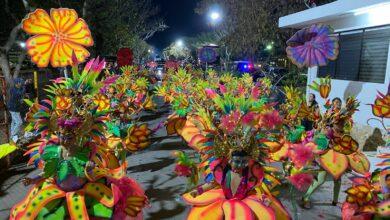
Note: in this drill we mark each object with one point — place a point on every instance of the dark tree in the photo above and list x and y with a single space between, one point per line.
122 23
249 25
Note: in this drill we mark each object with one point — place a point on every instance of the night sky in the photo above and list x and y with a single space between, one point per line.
182 21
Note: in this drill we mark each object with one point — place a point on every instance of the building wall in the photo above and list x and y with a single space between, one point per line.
365 92
378 17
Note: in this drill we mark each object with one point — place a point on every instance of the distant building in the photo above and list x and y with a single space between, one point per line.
363 64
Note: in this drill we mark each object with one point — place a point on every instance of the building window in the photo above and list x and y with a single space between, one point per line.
363 56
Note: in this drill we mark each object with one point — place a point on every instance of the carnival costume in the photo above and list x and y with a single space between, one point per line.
82 178
369 195
327 145
127 97
233 136
334 150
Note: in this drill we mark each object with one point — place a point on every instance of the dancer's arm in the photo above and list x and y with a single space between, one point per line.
27 180
203 188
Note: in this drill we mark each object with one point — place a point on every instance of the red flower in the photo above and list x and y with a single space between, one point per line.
222 88
229 122
301 181
241 90
125 188
271 119
255 93
300 155
248 118
211 93
182 170
139 98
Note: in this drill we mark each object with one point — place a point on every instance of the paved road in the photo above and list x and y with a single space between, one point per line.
153 169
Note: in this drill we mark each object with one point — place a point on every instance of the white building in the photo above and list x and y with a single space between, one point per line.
363 65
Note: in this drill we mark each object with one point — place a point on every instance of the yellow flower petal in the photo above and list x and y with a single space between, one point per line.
40 48
79 34
212 211
62 53
206 198
63 18
38 22
235 209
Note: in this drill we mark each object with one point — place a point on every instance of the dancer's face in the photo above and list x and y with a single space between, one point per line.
336 104
311 97
238 163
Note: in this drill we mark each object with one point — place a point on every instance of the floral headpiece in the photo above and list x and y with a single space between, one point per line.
71 109
238 120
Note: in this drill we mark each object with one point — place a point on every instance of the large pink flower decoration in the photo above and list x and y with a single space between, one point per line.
130 199
248 118
271 119
211 93
255 92
229 122
301 181
313 46
300 155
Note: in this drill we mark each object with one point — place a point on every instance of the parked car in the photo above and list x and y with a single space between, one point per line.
244 67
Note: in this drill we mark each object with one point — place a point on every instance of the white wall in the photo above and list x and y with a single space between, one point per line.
363 91
378 17
339 10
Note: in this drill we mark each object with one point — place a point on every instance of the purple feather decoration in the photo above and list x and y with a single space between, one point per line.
313 46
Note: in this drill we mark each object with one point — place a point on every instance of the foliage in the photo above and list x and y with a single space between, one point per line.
295 78
249 25
202 39
178 52
120 23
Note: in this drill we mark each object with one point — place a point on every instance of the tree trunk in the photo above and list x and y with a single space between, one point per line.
21 58
5 67
85 5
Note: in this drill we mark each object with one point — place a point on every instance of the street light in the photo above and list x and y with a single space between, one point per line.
270 46
179 43
215 16
22 44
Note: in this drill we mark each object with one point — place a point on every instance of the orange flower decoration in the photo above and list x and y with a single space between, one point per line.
137 137
381 107
345 145
63 103
102 102
325 90
127 70
360 195
56 37
323 87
